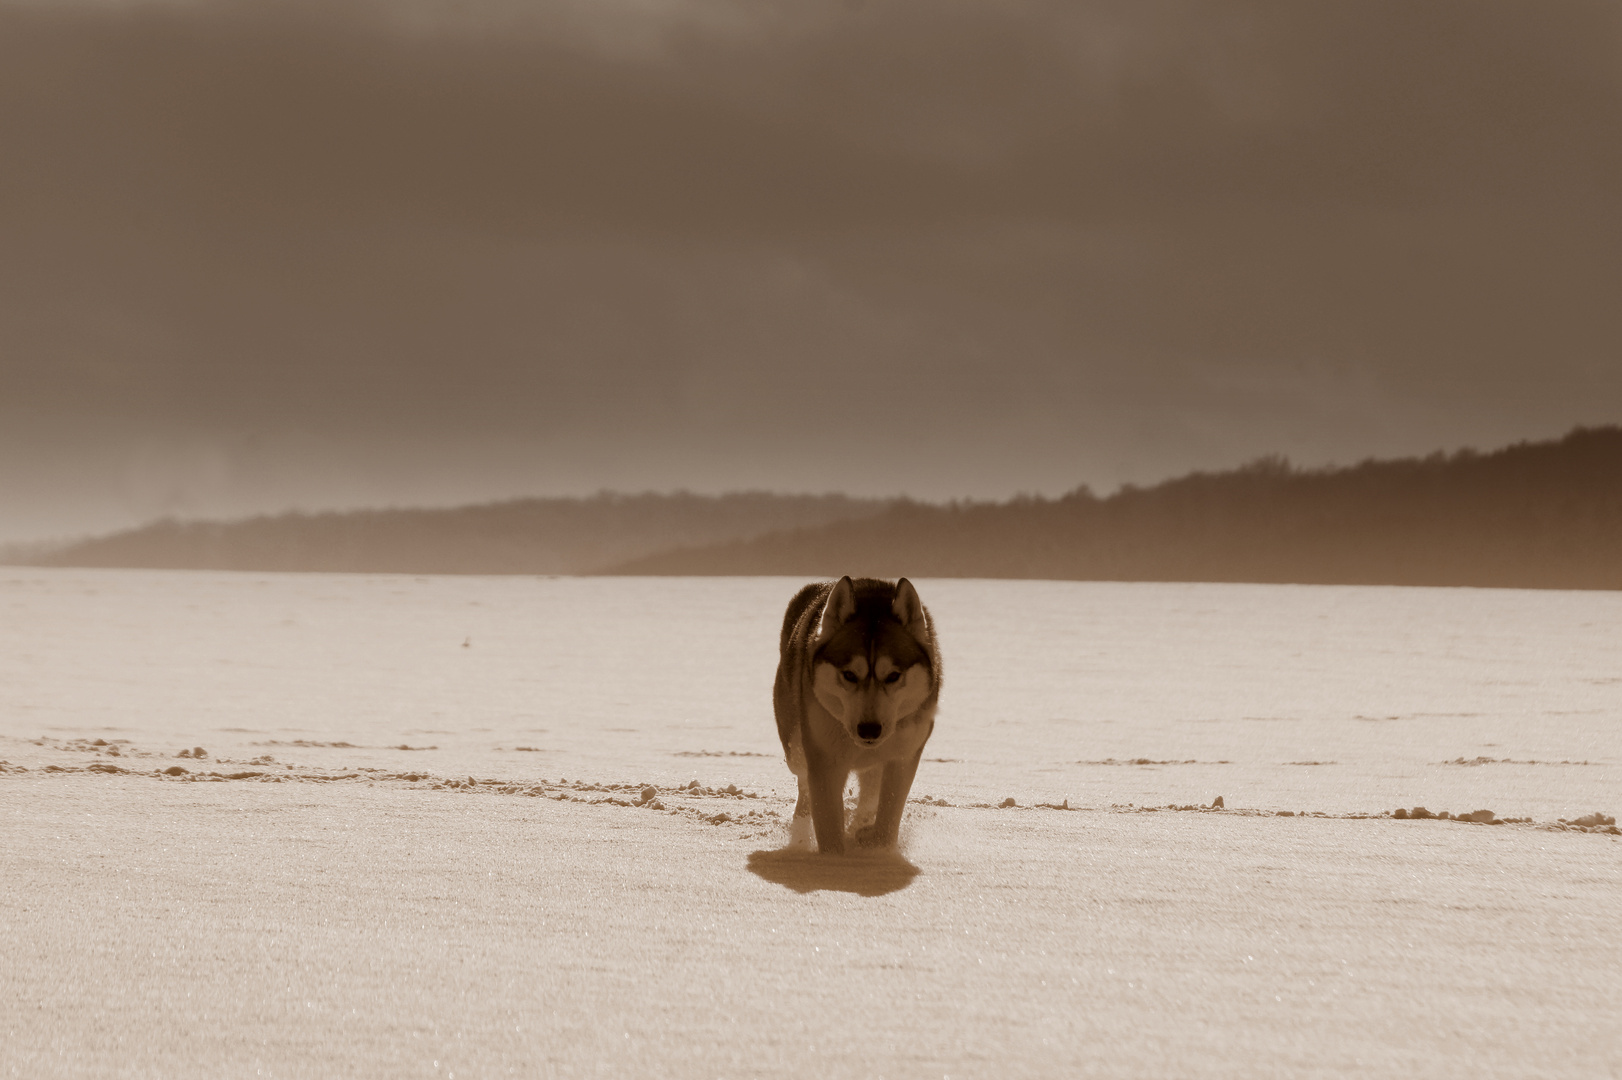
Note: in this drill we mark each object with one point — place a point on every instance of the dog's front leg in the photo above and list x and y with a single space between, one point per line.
826 780
799 833
886 827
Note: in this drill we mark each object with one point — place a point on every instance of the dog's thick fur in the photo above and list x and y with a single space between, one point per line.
857 686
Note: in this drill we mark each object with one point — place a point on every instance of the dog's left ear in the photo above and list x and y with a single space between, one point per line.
909 611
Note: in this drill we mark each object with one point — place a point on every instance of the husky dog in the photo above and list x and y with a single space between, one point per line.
856 691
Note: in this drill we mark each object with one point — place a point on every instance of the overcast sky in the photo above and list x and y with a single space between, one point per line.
258 255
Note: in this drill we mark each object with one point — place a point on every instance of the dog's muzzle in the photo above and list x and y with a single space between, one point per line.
869 730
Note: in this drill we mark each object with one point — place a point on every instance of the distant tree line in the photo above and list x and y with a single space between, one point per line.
1533 515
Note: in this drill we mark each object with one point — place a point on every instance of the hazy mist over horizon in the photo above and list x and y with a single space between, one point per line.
257 256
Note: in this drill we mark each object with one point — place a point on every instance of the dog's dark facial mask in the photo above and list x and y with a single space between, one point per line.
871 668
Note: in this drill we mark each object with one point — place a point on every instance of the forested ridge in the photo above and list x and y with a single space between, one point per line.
1541 515
1536 515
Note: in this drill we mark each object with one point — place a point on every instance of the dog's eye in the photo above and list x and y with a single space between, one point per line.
893 677
850 676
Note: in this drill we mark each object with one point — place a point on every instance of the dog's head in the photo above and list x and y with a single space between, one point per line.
872 664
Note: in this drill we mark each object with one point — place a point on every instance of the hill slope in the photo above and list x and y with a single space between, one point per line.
529 536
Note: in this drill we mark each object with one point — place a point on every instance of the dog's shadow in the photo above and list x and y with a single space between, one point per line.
865 873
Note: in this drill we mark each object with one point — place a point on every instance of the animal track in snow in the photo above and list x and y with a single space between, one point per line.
744 810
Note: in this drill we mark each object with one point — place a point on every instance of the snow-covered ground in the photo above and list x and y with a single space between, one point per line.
472 881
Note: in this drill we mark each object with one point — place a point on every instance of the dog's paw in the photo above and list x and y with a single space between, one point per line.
799 834
868 836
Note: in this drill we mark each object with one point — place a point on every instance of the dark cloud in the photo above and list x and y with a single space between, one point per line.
355 253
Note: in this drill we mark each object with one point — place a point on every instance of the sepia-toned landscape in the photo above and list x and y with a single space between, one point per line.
420 421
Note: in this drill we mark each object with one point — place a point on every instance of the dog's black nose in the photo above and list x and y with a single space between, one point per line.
869 729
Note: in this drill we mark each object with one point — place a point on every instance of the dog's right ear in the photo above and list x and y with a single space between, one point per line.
840 607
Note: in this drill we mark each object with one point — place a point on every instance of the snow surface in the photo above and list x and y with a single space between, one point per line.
506 898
